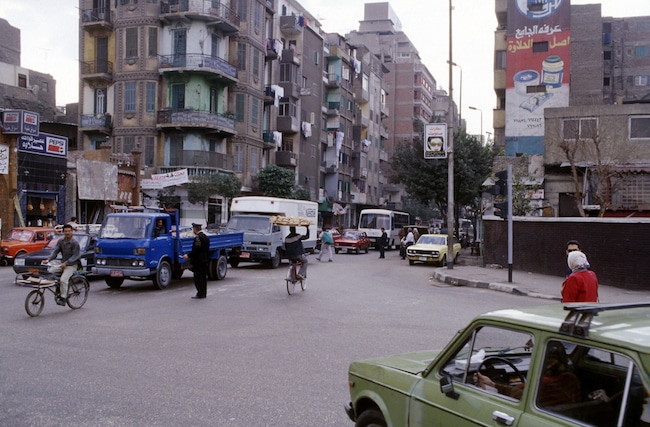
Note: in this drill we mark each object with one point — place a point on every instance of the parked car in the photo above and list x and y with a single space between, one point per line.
22 240
548 365
431 248
352 240
31 262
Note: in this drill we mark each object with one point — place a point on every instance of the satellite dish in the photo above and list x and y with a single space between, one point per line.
34 89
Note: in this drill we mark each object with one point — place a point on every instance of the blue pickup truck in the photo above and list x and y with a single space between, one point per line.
131 246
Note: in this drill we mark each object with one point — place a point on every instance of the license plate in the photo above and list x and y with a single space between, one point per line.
423 258
117 273
245 255
34 270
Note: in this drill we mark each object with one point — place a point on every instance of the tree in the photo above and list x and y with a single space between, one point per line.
426 180
301 194
202 187
275 181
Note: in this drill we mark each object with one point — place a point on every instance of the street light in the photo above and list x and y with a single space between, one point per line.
481 111
460 102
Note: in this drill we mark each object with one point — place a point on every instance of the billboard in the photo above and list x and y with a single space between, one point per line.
435 141
537 71
20 122
44 143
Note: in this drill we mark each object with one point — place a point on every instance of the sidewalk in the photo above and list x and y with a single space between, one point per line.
526 284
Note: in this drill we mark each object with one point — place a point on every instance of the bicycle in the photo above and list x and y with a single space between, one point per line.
292 276
78 288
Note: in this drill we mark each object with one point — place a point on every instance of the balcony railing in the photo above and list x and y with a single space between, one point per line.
211 11
95 15
285 158
96 67
196 61
99 121
198 158
196 119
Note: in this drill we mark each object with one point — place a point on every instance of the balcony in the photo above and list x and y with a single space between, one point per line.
291 25
196 119
360 173
285 159
274 48
199 63
338 52
202 159
269 95
499 79
333 108
291 90
333 80
98 73
288 124
383 156
96 123
361 95
95 19
290 56
383 132
384 110
268 141
211 12
498 118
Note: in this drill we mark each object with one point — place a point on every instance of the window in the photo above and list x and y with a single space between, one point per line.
540 47
256 63
176 150
316 57
129 97
257 15
149 151
288 73
586 128
151 97
254 154
500 60
22 80
513 349
238 160
255 113
606 81
131 48
641 80
241 56
242 9
214 45
128 144
641 51
178 96
152 47
100 101
240 107
287 108
640 127
607 55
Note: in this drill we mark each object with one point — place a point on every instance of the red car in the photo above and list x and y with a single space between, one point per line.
352 240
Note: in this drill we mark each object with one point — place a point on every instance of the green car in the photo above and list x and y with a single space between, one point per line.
553 365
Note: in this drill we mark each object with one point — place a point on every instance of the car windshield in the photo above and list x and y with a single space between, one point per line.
20 235
52 242
121 227
350 235
254 224
432 240
81 238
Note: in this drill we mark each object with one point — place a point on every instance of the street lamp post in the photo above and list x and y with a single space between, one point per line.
460 100
450 153
481 111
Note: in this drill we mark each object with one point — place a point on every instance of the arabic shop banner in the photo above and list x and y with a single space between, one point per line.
4 159
44 143
162 180
537 69
20 122
435 141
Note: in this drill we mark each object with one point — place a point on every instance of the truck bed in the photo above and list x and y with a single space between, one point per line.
217 241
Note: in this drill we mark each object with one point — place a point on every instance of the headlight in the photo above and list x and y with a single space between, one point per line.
19 261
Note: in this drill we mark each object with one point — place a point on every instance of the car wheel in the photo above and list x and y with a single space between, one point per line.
456 258
371 418
443 262
114 282
357 251
276 260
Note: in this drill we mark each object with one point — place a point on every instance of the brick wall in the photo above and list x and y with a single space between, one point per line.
617 249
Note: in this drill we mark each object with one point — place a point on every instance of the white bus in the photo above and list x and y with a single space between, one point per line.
372 220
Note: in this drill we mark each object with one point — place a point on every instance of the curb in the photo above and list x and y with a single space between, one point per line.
493 286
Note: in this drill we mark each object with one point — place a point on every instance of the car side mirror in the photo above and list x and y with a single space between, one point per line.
447 387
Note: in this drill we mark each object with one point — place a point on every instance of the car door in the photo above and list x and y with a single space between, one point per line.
468 404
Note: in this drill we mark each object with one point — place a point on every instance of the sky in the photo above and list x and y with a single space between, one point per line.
50 38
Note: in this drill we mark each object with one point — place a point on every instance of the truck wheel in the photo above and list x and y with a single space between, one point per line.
276 260
234 262
163 276
218 268
114 282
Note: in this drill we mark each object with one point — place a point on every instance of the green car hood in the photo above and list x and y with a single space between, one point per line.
412 363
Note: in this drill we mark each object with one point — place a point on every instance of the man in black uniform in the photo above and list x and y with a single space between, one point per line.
198 256
383 241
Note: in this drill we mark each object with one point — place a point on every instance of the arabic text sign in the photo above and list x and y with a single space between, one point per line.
162 180
4 159
20 122
435 141
44 143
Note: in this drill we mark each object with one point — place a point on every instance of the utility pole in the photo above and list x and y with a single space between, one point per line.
450 155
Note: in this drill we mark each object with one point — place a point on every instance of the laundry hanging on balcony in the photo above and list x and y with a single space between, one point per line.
306 129
277 138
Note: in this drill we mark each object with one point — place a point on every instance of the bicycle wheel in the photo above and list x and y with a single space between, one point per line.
291 286
77 292
34 303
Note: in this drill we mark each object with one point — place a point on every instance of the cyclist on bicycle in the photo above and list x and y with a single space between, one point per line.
70 253
295 251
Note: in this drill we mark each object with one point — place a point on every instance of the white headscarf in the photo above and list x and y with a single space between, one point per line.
577 261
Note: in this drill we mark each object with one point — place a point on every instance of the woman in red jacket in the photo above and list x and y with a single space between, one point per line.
582 284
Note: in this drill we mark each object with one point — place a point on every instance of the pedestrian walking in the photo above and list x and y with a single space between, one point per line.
198 256
383 241
326 245
571 246
408 241
582 283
